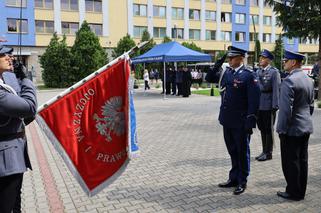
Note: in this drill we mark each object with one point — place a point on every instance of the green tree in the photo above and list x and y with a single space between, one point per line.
150 45
278 53
123 45
56 63
300 19
220 54
166 39
192 46
88 55
257 50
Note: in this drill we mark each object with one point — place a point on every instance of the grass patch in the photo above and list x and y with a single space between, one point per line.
319 104
44 87
206 92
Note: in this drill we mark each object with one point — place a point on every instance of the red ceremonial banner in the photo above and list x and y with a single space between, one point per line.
89 127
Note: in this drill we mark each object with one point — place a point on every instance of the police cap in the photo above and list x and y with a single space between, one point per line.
234 51
267 54
293 55
5 50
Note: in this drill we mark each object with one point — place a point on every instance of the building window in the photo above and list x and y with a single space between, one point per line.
267 20
159 11
46 4
226 1
252 36
254 3
240 2
194 34
44 26
69 28
93 5
226 35
267 37
210 35
97 29
159 32
240 36
309 41
16 3
240 18
14 25
69 5
138 31
254 18
177 13
226 17
210 15
140 10
194 14
178 33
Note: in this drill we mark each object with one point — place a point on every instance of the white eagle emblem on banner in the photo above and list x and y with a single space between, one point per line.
113 119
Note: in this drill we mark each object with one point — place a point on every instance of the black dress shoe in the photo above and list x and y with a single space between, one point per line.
240 189
257 157
287 196
227 184
265 157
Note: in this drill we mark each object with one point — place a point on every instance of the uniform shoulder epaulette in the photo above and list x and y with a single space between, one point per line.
274 69
248 68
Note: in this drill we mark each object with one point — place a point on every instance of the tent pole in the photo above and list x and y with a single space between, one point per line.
164 80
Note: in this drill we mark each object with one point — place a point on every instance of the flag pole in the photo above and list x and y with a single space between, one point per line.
92 75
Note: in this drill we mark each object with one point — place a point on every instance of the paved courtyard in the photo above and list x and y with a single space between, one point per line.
182 159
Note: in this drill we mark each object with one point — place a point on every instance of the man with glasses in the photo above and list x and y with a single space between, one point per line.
295 126
239 105
269 82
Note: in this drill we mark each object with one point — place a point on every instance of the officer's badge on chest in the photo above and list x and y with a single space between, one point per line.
237 83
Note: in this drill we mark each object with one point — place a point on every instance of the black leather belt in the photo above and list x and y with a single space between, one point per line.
7 137
270 91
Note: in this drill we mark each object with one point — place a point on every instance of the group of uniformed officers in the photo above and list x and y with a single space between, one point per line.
248 98
253 97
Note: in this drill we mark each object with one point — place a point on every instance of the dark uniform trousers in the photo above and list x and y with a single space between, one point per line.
294 156
237 142
10 189
265 122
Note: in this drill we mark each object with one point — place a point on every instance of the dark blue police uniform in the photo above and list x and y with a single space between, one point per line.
240 101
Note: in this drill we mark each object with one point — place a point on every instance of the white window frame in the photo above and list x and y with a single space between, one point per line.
159 9
240 18
44 26
210 15
142 10
17 25
195 33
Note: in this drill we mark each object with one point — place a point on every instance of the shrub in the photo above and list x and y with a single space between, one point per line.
88 55
55 63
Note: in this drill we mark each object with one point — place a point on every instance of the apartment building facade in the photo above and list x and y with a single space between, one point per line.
211 24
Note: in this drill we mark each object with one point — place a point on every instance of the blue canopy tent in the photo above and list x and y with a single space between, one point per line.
170 52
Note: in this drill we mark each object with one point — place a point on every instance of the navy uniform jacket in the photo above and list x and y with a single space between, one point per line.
13 152
269 82
296 105
240 100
